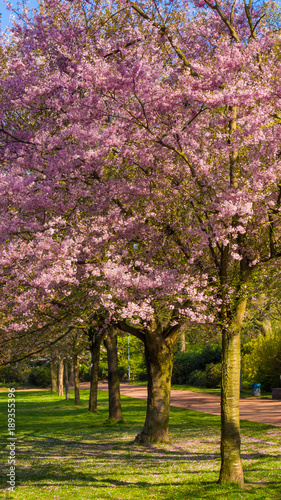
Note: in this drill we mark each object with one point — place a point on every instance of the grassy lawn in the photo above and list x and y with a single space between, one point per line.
65 452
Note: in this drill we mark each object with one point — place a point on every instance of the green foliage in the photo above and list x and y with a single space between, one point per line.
32 373
190 367
136 359
136 355
213 375
262 361
198 378
40 376
84 372
196 335
15 373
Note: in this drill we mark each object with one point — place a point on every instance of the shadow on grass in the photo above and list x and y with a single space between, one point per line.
60 443
46 474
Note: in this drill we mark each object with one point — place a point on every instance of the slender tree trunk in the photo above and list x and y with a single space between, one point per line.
115 411
76 378
95 358
159 355
60 377
231 466
66 382
71 374
182 338
54 376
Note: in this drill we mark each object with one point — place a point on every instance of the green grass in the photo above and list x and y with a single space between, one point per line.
64 453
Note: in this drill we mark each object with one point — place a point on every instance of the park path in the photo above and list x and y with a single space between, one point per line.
264 410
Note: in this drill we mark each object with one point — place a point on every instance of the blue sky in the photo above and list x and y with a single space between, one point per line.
5 14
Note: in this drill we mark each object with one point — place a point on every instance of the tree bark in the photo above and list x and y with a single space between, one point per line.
71 374
182 338
95 358
76 379
115 411
66 381
54 376
159 354
231 466
60 377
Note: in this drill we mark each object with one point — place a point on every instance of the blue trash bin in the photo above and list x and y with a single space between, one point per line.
256 389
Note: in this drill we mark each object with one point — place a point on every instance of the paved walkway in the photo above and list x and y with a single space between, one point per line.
267 411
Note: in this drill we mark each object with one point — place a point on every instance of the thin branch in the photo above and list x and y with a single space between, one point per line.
163 31
38 350
224 18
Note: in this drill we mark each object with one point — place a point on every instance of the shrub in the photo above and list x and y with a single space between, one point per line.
122 372
142 376
198 378
213 375
40 376
84 373
262 362
17 373
188 362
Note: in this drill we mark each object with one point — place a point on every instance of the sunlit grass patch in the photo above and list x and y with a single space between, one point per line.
66 452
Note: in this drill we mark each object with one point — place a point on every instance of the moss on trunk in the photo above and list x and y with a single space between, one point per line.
159 358
231 466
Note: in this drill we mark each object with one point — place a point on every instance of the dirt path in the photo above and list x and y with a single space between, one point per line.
267 411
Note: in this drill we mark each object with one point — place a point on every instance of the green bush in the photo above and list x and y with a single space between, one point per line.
262 362
188 362
184 364
17 373
142 376
122 372
198 378
40 376
213 375
84 373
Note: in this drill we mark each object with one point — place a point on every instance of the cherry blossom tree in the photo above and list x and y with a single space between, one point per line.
163 138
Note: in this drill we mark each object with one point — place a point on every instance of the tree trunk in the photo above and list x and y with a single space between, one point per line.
182 338
115 411
66 382
60 377
95 357
231 466
71 374
54 376
76 378
159 354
